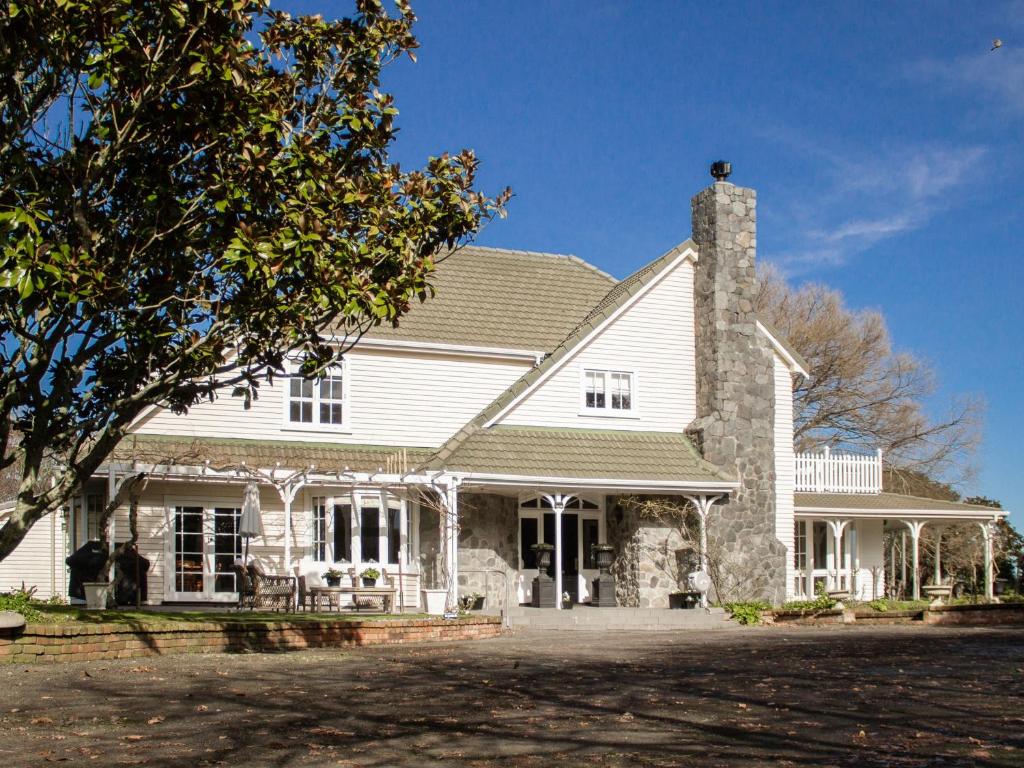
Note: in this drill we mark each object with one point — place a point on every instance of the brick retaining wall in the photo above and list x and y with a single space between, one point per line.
42 643
976 615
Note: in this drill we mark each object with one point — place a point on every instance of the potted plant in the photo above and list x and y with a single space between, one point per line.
369 577
566 601
333 577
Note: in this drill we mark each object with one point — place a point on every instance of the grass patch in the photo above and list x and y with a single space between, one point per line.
65 614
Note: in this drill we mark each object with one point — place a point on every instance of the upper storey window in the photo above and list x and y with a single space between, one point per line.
608 392
316 402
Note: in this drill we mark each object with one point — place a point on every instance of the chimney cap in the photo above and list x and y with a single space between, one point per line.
721 169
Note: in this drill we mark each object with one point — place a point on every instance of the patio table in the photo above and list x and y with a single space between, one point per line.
332 596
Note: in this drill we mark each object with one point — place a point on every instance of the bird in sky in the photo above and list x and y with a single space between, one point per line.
997 43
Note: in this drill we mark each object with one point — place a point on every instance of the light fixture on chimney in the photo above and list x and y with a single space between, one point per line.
720 170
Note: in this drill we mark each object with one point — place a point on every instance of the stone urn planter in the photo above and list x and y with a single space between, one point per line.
543 586
96 594
433 601
544 553
603 590
937 593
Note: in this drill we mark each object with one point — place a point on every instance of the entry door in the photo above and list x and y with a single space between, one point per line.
570 551
205 544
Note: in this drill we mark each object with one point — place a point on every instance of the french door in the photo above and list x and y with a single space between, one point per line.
204 544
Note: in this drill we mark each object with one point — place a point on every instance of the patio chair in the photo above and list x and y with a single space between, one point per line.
259 589
307 600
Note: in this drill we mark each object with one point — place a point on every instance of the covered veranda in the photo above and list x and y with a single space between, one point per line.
854 526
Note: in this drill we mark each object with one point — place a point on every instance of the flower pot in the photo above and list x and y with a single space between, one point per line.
543 558
333 581
433 601
368 582
96 594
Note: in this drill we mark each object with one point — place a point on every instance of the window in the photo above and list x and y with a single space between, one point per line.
369 534
820 534
608 392
527 538
227 547
800 548
590 534
317 402
319 528
394 534
342 533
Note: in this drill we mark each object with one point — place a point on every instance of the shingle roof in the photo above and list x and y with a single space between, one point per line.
225 452
501 298
582 453
882 502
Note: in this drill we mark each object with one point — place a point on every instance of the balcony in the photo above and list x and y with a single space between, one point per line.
828 472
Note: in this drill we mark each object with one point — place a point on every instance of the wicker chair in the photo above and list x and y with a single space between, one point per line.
258 589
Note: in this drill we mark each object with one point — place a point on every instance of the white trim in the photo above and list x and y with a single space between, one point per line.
782 351
291 373
633 412
597 483
689 253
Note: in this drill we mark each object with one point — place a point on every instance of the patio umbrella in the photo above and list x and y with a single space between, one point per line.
250 524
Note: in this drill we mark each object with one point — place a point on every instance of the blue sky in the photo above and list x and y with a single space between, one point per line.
884 140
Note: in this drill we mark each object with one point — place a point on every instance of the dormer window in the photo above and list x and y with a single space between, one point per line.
608 393
317 402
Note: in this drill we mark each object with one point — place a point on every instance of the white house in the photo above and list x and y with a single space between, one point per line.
518 406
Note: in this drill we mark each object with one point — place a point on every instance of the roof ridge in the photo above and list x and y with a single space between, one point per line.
546 254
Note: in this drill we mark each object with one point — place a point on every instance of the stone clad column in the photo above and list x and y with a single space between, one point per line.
735 385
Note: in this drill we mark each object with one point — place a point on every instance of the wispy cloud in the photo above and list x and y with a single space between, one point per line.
862 199
993 79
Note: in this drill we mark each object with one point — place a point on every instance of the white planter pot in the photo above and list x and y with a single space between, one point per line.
434 600
96 594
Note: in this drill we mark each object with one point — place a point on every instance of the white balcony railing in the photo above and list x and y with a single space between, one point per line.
828 472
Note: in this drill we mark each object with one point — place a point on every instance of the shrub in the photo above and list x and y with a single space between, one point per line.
748 612
820 603
20 601
879 605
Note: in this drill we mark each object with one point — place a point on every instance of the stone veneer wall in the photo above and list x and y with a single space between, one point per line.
735 391
488 542
649 558
41 643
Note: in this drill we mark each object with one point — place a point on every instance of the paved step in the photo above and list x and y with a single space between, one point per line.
638 619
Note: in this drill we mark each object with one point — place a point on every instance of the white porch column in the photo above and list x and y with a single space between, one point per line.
451 531
703 506
287 492
915 527
558 502
837 527
938 554
987 535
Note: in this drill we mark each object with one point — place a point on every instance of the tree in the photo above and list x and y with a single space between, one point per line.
190 192
861 393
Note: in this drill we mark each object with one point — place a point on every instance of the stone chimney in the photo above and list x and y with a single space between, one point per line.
735 388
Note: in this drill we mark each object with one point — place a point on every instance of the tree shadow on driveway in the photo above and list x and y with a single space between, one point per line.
802 697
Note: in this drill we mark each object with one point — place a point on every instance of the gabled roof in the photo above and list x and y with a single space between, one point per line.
494 297
480 443
588 454
610 303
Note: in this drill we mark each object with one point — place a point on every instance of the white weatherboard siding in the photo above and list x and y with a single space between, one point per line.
785 473
39 560
392 398
654 340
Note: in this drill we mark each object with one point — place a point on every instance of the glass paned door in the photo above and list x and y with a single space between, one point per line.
205 546
188 549
227 547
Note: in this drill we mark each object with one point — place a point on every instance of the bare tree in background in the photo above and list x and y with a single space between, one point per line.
862 394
